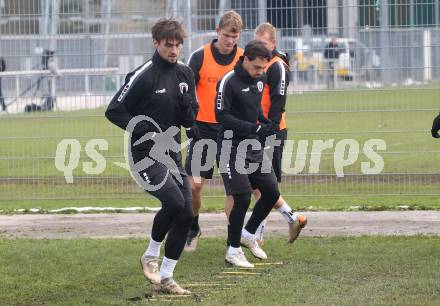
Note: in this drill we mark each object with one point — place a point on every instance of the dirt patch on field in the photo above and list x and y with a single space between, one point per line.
139 224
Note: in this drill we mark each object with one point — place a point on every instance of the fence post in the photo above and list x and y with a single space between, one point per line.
384 43
17 86
262 11
427 65
86 83
188 19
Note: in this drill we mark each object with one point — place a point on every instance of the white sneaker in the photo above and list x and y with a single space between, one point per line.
252 245
150 267
168 285
238 260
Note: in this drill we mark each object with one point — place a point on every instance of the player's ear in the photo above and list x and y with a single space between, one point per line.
155 43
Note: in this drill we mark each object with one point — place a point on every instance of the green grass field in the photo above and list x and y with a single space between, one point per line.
314 271
400 116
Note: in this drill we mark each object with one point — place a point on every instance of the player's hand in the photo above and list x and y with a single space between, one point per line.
435 127
185 100
193 132
266 129
274 128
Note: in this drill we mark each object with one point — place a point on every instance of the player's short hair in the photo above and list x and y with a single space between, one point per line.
266 28
256 48
169 29
231 21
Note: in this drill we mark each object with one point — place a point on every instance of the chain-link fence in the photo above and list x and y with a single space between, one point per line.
356 127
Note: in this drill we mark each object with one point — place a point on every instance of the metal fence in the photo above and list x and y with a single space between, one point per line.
382 101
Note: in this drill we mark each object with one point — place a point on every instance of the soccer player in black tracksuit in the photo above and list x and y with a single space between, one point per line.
163 90
435 127
273 104
238 111
2 99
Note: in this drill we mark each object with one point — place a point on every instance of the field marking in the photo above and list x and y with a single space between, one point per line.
269 263
229 276
245 269
172 296
165 297
140 209
240 273
207 285
89 209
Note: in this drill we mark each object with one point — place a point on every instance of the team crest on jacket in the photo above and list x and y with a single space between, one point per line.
183 87
260 86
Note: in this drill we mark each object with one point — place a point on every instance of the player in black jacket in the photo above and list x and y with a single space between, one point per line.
435 127
273 104
163 90
238 111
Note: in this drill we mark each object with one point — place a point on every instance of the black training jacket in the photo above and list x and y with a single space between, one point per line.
238 103
154 90
275 74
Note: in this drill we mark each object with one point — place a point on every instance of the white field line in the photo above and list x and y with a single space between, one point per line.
90 209
149 209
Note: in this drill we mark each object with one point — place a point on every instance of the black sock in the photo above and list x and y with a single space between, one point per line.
195 225
269 196
236 217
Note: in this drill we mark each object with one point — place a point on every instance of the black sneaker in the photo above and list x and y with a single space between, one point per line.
192 239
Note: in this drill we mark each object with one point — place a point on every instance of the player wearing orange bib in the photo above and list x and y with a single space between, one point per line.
209 63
